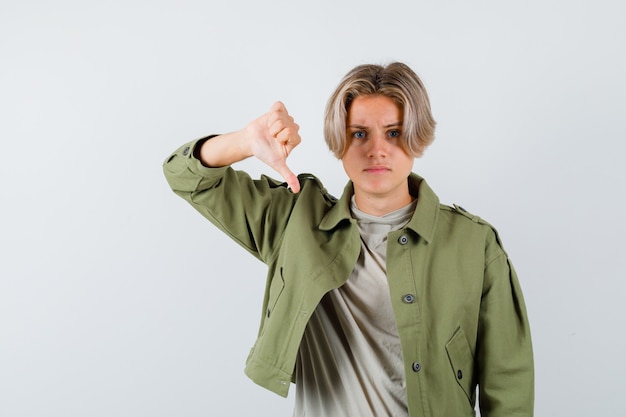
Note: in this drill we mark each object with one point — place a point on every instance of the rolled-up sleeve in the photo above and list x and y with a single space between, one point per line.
186 174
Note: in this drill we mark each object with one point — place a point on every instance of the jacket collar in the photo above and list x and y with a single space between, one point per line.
424 218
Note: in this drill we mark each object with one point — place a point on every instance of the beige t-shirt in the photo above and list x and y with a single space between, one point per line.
350 359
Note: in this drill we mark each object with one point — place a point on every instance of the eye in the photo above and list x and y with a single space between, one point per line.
359 134
394 134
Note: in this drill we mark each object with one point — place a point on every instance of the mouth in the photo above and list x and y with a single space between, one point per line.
377 169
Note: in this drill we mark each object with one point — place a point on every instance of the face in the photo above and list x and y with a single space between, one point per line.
374 158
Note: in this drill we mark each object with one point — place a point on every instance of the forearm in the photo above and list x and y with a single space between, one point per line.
224 149
251 212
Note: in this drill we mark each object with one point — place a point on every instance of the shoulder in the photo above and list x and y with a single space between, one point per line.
468 221
456 209
310 183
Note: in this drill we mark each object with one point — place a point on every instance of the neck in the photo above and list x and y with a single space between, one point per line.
379 206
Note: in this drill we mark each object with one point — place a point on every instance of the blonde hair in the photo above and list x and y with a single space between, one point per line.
396 81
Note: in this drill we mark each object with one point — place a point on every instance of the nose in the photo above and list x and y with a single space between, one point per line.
378 146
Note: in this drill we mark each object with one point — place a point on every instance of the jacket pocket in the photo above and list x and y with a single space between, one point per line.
276 288
462 363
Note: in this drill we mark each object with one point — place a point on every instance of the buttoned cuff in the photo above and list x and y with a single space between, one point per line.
185 172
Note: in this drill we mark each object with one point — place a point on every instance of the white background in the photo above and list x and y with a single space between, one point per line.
117 299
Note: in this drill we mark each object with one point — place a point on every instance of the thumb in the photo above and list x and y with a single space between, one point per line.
289 176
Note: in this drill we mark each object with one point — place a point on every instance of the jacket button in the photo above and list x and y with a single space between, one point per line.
403 240
408 298
186 151
417 367
267 312
459 374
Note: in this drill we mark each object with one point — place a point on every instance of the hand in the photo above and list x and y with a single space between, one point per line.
274 135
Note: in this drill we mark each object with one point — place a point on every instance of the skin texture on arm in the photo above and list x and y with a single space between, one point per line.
270 138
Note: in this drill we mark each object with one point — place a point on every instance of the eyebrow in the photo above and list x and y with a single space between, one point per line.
365 127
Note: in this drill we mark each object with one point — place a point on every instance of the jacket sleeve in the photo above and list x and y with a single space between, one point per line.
504 349
251 212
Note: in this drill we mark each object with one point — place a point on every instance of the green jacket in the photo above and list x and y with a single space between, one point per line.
457 301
